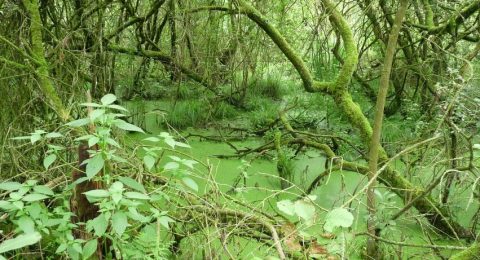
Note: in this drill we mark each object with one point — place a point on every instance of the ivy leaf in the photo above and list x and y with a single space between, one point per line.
132 183
108 99
286 206
338 217
49 160
119 222
127 126
20 241
149 161
94 165
89 248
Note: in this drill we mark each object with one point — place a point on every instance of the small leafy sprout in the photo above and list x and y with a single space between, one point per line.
167 139
150 158
101 116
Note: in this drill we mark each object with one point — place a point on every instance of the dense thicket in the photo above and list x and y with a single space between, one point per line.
311 74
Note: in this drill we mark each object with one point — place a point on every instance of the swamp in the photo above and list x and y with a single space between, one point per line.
240 129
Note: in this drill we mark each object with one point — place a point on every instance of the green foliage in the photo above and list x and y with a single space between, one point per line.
123 206
187 113
338 217
271 86
264 112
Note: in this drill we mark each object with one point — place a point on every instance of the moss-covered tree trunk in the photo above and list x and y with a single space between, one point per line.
338 90
42 68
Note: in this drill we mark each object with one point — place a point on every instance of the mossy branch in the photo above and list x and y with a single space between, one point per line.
38 55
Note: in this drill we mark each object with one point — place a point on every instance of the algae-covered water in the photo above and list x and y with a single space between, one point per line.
257 184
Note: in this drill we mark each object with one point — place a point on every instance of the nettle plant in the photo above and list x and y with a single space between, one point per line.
129 215
336 222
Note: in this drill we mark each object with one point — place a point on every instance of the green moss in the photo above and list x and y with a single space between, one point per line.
42 69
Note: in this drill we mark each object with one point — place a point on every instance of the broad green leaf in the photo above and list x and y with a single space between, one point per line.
90 105
132 183
149 161
35 137
26 224
99 225
79 122
10 186
108 99
20 241
111 141
171 166
133 214
164 220
94 165
119 222
338 217
182 144
170 141
49 160
136 195
77 247
53 135
127 126
34 210
150 139
18 204
96 114
61 248
189 182
21 138
287 207
89 248
189 163
93 141
43 190
97 193
72 253
117 107
116 187
34 197
5 205
304 209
